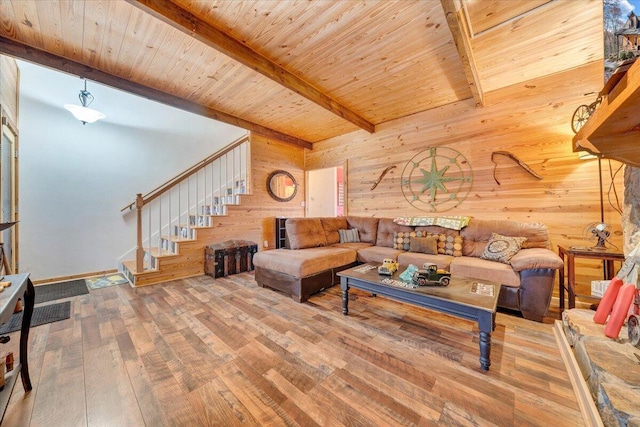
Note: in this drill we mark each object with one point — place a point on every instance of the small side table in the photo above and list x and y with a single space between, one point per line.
568 256
21 287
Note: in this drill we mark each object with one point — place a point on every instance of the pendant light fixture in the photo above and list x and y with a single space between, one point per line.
83 112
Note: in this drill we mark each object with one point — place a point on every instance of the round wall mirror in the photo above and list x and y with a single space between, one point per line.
282 186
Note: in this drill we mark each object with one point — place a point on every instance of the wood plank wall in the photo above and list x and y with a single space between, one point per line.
9 89
531 120
9 113
254 218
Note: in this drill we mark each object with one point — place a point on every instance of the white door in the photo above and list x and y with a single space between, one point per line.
325 192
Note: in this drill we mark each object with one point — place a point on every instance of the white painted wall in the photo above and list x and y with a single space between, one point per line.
74 179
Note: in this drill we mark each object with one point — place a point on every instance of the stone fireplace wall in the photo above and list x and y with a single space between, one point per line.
631 208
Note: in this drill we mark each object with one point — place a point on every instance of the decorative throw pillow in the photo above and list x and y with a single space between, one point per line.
424 245
450 245
402 239
447 245
349 236
501 248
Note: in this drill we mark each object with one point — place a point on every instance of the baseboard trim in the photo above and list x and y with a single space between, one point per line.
73 277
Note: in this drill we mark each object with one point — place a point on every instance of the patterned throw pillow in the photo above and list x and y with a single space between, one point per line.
447 245
349 236
501 248
402 239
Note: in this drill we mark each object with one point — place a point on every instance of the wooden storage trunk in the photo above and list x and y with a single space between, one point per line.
230 257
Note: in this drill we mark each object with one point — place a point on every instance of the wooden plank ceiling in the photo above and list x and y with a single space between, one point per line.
305 71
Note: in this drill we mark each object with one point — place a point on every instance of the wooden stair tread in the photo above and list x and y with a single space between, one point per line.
161 253
131 266
178 239
197 227
156 276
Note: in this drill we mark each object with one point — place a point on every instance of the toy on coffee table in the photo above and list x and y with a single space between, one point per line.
431 276
388 267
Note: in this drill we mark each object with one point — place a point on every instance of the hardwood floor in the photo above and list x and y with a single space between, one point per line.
200 352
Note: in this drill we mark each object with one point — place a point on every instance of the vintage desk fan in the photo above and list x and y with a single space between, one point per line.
598 231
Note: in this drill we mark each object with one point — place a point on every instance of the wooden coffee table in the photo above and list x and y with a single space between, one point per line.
466 298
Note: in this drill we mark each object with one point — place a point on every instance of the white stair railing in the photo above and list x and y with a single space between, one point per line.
174 211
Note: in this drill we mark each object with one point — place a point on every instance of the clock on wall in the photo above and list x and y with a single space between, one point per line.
436 179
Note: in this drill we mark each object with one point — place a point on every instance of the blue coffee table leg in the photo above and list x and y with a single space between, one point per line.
486 324
485 350
345 295
345 301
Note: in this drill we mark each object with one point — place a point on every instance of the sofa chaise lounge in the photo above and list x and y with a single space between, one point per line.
315 255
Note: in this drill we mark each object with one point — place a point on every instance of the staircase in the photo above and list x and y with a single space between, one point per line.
176 220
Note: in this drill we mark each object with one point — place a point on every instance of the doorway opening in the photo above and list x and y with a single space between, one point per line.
326 192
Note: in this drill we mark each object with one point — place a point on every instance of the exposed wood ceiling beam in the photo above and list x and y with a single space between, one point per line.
461 37
531 11
22 51
190 24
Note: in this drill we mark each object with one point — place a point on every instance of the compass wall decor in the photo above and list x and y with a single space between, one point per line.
436 179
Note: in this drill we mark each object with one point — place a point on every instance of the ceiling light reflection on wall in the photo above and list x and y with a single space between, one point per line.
83 112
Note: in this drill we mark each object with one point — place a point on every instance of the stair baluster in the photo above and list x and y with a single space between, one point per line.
189 207
139 249
159 239
149 238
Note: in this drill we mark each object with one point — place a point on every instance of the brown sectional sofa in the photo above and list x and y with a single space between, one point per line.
315 256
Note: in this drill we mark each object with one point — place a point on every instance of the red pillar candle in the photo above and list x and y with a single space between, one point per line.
620 310
606 304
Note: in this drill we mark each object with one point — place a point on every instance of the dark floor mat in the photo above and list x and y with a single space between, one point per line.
41 315
60 290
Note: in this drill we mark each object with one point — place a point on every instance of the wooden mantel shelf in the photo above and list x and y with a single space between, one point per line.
613 130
